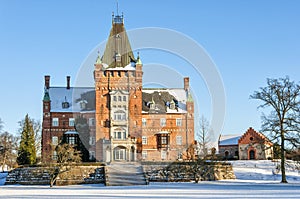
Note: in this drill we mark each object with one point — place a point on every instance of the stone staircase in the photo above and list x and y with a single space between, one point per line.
125 174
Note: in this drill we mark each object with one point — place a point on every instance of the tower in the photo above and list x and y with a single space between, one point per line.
118 88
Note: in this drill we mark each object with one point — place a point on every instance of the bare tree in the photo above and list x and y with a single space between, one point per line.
8 149
65 158
204 136
282 96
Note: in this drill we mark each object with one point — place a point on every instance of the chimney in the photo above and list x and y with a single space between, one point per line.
47 81
186 83
68 82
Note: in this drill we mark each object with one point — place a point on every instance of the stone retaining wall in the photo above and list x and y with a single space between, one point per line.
154 171
182 171
40 176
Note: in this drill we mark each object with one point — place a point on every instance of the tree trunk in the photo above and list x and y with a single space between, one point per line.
282 156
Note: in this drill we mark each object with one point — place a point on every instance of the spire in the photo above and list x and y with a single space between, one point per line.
118 52
46 95
138 61
98 60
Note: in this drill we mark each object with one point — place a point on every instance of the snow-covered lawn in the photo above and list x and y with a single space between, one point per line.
264 170
254 180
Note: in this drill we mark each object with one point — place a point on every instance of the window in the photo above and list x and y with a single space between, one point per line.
115 98
71 140
119 115
71 122
179 155
162 140
91 121
178 140
178 122
124 98
144 140
54 155
55 121
92 140
120 134
162 121
120 98
119 73
144 155
144 121
163 155
55 140
92 155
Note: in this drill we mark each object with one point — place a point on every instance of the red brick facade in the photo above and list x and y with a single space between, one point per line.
130 123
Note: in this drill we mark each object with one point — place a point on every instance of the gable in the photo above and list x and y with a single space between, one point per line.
252 136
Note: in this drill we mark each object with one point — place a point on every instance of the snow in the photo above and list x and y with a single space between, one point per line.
58 95
130 66
255 179
178 93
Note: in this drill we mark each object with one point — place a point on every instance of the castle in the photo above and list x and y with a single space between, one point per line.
118 119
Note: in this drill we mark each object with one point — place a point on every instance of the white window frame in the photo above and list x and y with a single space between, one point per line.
178 122
163 121
55 121
92 140
144 121
92 155
54 155
144 155
163 154
144 140
54 140
71 121
91 121
179 140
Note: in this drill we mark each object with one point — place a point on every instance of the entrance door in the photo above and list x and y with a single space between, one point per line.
119 154
252 155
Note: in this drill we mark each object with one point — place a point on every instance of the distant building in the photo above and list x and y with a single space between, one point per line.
118 119
252 145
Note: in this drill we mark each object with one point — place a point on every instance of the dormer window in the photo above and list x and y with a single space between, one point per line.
83 104
118 57
152 105
172 105
65 104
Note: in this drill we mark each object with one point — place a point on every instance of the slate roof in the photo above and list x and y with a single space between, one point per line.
226 140
75 96
162 98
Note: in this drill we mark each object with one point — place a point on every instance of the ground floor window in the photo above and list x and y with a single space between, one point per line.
144 155
92 155
163 155
120 153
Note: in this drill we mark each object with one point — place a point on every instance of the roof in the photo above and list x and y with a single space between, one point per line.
75 99
162 98
118 45
226 140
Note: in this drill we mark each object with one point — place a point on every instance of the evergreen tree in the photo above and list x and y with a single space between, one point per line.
27 150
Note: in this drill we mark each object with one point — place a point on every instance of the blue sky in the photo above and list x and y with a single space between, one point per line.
248 41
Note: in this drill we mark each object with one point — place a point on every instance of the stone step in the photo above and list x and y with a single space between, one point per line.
124 174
